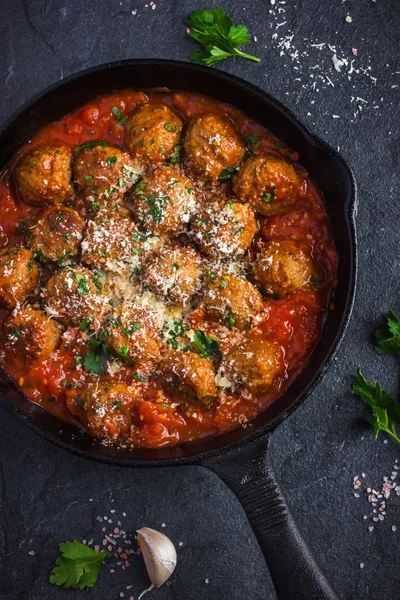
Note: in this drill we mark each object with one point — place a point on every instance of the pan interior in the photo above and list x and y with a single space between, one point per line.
325 166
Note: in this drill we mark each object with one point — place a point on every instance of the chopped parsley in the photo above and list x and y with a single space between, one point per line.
93 144
111 160
176 155
83 284
253 140
227 173
84 324
207 345
138 377
173 128
118 115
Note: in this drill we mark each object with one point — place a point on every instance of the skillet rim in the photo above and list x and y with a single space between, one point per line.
349 212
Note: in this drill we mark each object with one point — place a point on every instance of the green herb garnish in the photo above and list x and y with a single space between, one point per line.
83 284
78 566
384 407
207 345
214 30
388 339
138 377
93 144
227 173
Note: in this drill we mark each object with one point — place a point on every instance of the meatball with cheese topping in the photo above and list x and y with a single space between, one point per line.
133 334
282 267
56 234
104 173
152 133
164 201
224 229
106 408
112 240
173 274
19 275
253 363
212 145
44 175
189 378
29 334
269 184
234 301
73 294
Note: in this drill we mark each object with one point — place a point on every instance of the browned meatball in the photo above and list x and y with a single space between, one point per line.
282 268
132 333
28 334
212 145
188 377
19 274
56 234
268 183
224 228
153 132
233 300
111 240
104 173
107 408
74 294
254 363
164 202
173 274
44 175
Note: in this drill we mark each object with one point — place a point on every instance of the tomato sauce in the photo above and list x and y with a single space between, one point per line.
295 321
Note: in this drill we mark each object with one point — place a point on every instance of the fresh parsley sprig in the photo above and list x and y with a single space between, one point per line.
207 345
384 407
78 566
220 39
388 339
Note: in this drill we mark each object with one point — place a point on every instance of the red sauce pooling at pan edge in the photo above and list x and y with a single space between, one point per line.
161 414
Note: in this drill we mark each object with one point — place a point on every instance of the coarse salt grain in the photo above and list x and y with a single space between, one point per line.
361 565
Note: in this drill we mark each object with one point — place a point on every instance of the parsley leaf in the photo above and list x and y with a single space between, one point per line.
93 144
83 284
218 36
384 407
388 339
227 173
78 566
207 345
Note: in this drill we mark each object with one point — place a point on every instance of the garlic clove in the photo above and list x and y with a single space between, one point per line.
159 556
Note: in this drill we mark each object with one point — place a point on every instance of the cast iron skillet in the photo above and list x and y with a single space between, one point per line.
240 457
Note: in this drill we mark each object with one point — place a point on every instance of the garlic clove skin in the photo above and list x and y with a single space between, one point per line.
159 555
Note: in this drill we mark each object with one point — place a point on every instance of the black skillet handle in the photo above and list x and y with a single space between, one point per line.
250 475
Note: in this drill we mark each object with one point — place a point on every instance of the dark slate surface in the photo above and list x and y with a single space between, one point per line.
45 492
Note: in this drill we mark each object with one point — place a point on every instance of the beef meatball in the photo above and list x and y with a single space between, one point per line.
189 378
133 334
153 132
212 145
44 175
268 183
164 202
73 294
254 363
29 334
224 228
111 240
282 267
19 275
233 300
173 274
106 408
104 173
56 234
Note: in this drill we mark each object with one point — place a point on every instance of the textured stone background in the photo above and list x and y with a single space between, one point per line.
45 492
